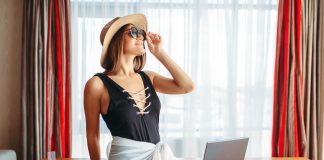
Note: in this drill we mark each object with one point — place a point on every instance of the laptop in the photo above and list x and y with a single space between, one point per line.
226 150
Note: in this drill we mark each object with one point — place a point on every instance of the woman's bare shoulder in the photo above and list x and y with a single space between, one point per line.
94 86
151 74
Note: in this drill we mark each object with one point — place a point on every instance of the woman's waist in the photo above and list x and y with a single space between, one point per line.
152 139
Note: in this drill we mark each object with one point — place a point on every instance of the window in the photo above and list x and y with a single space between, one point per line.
228 49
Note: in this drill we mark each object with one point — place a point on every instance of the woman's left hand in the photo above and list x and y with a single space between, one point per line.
154 42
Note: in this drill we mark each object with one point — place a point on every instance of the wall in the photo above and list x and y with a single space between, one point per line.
10 74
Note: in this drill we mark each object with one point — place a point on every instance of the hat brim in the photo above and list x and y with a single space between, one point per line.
139 20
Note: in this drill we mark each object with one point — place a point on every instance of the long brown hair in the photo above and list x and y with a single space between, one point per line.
115 48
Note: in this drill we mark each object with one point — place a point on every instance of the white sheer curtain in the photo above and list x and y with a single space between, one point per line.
228 49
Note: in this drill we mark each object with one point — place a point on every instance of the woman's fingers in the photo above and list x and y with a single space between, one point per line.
149 39
153 36
159 37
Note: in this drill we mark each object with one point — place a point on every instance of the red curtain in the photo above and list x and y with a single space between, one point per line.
287 82
58 56
46 79
295 103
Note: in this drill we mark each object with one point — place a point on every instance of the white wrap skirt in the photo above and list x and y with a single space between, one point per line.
127 149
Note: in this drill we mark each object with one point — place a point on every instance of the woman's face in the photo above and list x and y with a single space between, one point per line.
133 45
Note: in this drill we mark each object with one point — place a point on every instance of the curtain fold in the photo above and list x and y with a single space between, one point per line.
297 117
46 79
321 79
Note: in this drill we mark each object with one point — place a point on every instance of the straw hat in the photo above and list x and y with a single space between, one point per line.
111 28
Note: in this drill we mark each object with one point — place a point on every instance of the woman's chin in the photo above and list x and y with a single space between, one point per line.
141 52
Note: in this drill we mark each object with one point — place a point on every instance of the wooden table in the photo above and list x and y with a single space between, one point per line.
283 158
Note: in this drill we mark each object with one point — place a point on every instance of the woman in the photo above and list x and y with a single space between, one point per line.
125 96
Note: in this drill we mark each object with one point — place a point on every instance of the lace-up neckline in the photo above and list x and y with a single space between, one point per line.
130 94
141 110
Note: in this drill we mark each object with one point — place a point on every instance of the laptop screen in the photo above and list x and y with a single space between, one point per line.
226 150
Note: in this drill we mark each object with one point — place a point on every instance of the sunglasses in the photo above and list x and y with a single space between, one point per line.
135 33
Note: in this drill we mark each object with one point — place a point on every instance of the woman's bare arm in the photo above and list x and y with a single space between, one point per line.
181 82
92 99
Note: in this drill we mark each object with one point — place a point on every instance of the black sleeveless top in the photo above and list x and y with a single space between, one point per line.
126 120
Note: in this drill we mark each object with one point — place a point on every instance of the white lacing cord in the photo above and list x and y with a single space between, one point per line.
141 110
139 92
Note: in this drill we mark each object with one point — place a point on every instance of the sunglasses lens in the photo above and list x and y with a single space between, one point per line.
133 32
142 33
